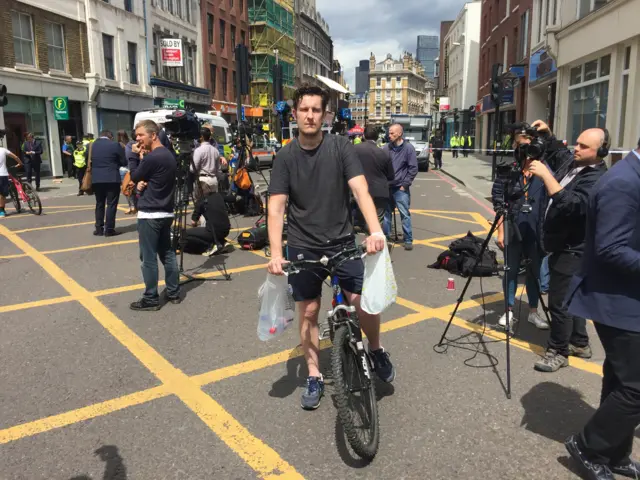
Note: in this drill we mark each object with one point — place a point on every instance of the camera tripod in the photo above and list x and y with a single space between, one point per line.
182 196
506 215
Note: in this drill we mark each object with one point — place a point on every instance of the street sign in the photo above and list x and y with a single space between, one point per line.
171 49
61 108
243 117
444 104
172 103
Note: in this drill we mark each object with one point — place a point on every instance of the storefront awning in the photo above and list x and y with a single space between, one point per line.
333 85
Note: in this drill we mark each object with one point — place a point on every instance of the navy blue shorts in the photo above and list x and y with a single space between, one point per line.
307 285
4 186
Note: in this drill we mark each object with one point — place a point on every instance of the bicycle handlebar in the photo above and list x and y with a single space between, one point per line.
327 263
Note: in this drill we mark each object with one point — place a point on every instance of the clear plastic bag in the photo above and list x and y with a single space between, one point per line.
277 307
379 289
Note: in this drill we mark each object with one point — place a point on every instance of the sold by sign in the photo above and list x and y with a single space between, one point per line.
171 49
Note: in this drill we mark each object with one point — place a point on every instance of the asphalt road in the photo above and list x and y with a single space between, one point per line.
91 390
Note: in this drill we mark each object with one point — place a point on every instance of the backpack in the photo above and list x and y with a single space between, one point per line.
460 258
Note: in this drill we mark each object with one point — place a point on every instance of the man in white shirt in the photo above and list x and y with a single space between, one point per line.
4 177
206 163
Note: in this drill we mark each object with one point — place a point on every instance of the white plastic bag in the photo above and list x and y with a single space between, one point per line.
277 308
379 290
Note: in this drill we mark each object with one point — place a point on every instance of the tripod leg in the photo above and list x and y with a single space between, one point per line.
485 245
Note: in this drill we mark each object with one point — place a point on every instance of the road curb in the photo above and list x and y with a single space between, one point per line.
453 176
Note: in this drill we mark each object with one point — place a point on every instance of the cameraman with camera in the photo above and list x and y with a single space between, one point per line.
527 200
564 230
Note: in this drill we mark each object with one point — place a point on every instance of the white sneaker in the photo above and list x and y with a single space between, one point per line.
503 319
538 321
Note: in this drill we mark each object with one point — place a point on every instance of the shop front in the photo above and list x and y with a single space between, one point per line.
173 95
117 110
541 102
24 115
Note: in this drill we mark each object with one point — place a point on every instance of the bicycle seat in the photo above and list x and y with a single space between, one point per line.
341 240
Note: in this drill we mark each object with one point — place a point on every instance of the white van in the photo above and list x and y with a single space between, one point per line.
159 115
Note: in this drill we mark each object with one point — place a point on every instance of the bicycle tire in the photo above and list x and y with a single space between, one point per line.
33 200
16 199
345 360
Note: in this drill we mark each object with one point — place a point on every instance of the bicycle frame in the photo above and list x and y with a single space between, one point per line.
18 186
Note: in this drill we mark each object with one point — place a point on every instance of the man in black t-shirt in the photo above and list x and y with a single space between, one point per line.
315 173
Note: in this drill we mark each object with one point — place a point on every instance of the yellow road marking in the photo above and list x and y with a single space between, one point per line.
68 225
435 215
445 212
81 414
47 212
451 237
481 220
7 257
90 247
37 303
259 456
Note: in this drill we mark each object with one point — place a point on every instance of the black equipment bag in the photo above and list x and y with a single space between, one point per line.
254 238
461 256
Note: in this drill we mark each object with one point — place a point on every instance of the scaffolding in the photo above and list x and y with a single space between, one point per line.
275 14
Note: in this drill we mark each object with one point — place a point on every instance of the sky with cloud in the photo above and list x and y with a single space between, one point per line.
359 27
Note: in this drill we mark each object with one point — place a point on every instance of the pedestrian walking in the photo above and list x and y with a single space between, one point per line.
436 144
105 161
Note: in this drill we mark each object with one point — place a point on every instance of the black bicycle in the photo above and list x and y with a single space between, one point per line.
351 364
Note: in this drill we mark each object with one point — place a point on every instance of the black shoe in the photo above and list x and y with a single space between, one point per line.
629 470
590 470
98 232
112 233
382 365
175 300
144 305
80 194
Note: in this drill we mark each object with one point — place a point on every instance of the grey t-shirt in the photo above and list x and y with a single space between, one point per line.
316 183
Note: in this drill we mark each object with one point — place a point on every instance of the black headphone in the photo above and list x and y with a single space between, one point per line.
603 150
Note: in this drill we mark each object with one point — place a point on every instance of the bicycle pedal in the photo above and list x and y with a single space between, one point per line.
325 333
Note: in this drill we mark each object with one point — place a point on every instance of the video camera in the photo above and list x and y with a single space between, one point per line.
183 124
531 151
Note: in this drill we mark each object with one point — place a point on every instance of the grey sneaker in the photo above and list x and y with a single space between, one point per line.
313 393
408 247
551 362
538 321
580 352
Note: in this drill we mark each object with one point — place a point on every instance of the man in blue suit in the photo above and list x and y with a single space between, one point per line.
33 159
107 157
606 290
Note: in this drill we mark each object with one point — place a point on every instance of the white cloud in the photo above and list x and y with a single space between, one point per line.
359 27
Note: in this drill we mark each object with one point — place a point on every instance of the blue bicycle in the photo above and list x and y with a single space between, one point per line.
350 363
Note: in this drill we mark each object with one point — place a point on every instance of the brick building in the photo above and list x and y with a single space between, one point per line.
45 53
505 34
225 24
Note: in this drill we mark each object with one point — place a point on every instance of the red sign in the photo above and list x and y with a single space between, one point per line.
171 49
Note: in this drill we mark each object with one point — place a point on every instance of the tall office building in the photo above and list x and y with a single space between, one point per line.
362 77
426 53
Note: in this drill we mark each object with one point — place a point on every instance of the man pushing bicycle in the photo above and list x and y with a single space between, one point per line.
4 177
314 173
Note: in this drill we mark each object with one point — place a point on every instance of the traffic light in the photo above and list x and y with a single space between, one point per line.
3 95
496 83
243 67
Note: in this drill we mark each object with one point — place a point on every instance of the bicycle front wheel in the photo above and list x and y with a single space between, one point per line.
33 200
355 395
14 196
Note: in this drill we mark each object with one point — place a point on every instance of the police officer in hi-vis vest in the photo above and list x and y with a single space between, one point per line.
80 164
454 143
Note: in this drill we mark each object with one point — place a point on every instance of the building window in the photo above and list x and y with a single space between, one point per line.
230 4
210 28
524 36
187 10
378 95
233 36
388 95
128 5
243 36
55 46
132 50
190 65
224 82
387 112
107 50
179 8
233 84
170 6
223 32
585 7
378 112
22 38
213 74
378 81
623 97
156 60
241 5
588 96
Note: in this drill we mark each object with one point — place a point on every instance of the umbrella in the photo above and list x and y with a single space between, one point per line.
333 85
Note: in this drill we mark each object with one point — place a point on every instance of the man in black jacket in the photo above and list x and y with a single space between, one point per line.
378 170
155 178
210 239
563 236
33 159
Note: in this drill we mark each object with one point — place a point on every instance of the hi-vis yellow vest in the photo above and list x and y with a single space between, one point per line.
78 158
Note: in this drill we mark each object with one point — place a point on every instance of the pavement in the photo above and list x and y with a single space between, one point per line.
472 172
91 389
